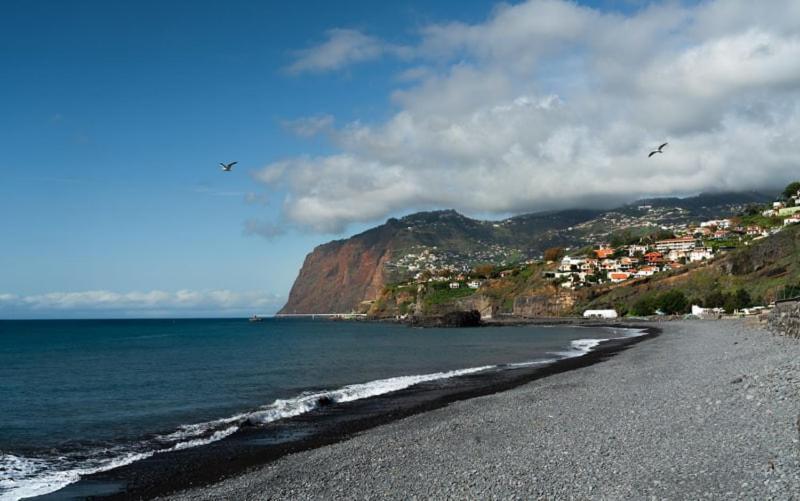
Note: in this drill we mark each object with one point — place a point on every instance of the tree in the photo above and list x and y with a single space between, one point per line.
737 300
791 190
554 254
743 299
644 307
715 299
484 270
673 302
752 210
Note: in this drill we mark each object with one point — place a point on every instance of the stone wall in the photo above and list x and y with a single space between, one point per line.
785 318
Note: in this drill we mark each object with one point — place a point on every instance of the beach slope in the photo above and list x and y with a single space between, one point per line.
707 409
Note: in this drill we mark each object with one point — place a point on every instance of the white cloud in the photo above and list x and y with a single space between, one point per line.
155 303
343 47
549 104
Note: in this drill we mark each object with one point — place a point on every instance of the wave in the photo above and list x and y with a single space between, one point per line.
22 477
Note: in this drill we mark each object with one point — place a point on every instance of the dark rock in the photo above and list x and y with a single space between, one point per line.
325 401
470 318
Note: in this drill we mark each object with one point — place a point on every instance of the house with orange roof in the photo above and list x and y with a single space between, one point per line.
604 252
646 271
618 276
654 257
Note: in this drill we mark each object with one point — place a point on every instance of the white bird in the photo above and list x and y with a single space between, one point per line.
657 151
228 167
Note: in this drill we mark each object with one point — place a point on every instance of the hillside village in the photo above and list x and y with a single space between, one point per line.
626 257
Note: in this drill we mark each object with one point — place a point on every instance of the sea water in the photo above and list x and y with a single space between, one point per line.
77 397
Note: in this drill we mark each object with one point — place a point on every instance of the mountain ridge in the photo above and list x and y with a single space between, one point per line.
340 276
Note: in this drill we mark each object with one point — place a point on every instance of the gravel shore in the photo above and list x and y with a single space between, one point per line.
707 410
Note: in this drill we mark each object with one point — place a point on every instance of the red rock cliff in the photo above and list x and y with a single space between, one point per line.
336 277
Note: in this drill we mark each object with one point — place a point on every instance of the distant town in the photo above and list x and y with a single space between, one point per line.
663 248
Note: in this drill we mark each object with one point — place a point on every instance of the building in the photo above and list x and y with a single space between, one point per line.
684 244
700 254
474 284
568 263
654 257
717 223
788 211
636 249
676 255
455 285
600 314
618 276
646 271
604 252
794 218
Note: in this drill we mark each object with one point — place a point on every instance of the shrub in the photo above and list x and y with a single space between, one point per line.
553 254
673 302
644 307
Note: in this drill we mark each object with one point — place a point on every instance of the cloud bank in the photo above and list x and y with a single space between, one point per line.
156 303
548 104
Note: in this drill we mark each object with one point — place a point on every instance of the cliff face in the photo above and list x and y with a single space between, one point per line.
339 275
336 277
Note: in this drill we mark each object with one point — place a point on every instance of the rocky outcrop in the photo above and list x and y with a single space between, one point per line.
451 319
785 318
338 276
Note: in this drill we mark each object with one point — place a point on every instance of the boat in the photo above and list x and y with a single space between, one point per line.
256 318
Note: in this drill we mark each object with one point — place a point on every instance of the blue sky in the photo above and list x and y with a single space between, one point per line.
115 115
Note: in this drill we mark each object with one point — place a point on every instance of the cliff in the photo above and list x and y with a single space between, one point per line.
338 276
343 275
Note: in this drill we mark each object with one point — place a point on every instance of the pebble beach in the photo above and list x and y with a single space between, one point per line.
707 410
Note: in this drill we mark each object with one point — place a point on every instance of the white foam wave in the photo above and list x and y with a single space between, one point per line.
532 363
294 407
580 347
27 477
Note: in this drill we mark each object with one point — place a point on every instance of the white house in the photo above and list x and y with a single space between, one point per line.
618 276
646 271
634 249
568 262
684 244
699 311
700 254
600 314
455 285
794 218
719 223
474 284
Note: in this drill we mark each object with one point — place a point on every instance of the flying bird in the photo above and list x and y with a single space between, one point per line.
659 150
228 167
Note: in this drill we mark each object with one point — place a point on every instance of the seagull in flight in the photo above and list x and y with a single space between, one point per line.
228 167
659 150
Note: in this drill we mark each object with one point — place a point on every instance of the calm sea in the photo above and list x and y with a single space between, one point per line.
83 396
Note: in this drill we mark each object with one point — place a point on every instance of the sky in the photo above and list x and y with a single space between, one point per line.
342 114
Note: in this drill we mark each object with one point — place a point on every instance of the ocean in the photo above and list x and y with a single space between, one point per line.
84 396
